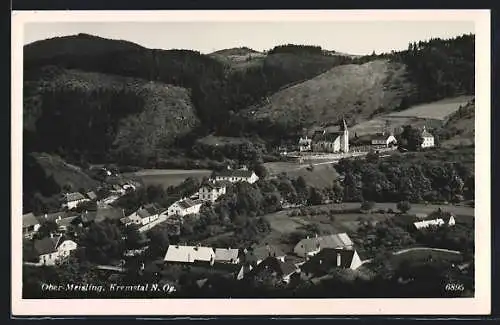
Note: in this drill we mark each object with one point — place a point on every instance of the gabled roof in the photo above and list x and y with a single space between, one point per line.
188 203
233 173
262 252
91 195
65 222
281 268
327 137
226 254
189 254
29 220
341 240
46 245
381 137
152 208
327 258
213 185
426 134
75 196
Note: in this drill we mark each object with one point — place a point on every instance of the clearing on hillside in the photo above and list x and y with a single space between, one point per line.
167 177
431 114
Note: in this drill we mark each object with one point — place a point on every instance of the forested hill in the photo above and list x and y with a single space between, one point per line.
88 74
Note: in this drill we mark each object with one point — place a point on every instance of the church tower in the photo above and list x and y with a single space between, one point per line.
344 143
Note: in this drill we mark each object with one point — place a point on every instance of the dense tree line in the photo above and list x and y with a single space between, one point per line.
400 177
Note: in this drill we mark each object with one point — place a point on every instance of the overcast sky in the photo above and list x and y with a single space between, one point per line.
348 37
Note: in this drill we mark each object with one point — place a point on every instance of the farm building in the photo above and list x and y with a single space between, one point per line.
331 141
312 246
227 255
235 175
256 255
51 249
72 200
283 269
189 254
383 140
147 214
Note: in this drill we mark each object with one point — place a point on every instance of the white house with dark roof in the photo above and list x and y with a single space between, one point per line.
235 175
184 207
427 139
146 214
383 140
30 225
189 254
211 191
72 200
53 248
311 246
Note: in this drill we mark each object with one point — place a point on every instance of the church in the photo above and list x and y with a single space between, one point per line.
331 141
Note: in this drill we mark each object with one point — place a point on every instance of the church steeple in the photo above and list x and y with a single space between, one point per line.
343 125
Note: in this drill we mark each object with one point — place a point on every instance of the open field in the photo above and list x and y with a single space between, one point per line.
167 177
438 110
422 254
321 176
431 114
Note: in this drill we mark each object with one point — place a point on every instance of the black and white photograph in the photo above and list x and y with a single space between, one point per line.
299 158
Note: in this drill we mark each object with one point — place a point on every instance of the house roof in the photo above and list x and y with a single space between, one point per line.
187 203
46 245
54 216
226 254
327 258
327 137
65 222
213 185
282 268
152 208
426 134
233 173
188 254
91 195
75 196
262 252
331 241
29 220
381 137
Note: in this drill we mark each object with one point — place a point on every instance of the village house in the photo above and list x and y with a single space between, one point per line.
64 223
235 175
281 269
305 144
427 139
72 200
211 191
189 254
53 248
311 246
383 140
227 255
146 214
329 258
30 225
255 255
184 207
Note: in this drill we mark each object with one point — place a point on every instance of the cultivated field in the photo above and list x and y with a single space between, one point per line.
167 177
320 177
422 254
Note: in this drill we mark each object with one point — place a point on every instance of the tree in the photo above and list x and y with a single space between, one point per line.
315 197
133 238
158 241
411 138
367 205
404 206
46 228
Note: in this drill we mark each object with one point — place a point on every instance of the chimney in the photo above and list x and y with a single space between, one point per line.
339 259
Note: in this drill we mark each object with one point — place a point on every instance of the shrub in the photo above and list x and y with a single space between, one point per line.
367 205
404 206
